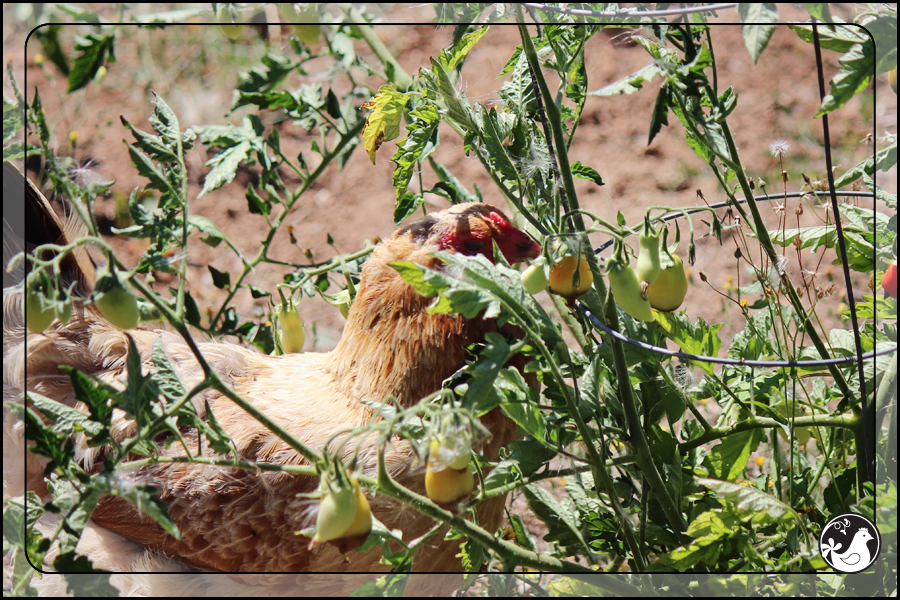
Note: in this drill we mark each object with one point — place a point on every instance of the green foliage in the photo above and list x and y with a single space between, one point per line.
651 479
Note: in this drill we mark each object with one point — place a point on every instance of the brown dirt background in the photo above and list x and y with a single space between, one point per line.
194 67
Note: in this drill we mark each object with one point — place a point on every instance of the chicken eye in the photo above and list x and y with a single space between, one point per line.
473 245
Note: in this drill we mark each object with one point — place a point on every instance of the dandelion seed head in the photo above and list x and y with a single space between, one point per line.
782 264
85 175
683 377
779 148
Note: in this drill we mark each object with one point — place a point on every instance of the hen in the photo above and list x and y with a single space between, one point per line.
245 521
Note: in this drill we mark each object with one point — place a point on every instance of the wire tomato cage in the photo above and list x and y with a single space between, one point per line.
739 361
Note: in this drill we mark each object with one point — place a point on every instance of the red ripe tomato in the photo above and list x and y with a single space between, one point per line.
889 281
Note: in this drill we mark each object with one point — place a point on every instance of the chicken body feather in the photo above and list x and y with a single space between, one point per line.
236 520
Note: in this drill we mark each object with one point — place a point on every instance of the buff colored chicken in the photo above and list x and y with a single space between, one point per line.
242 521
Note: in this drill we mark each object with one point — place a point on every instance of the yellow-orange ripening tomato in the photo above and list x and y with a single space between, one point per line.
892 79
563 279
292 334
670 288
443 483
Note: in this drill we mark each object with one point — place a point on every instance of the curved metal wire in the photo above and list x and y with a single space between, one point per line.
759 198
735 361
583 12
730 361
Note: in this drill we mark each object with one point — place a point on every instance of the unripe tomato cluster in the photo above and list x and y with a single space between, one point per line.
659 281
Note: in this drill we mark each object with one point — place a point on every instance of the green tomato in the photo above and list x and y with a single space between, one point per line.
63 311
39 311
626 289
223 18
304 23
116 303
534 278
801 434
670 288
648 259
337 511
292 334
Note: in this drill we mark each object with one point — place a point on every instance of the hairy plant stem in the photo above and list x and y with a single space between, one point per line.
571 322
564 170
638 439
215 381
285 211
758 226
842 421
396 72
507 551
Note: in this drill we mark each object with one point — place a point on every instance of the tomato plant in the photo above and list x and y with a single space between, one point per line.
624 457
